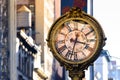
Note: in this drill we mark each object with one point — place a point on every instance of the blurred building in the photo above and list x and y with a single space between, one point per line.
28 59
43 14
4 43
101 66
14 53
114 71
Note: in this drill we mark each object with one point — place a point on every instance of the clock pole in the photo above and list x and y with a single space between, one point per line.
77 75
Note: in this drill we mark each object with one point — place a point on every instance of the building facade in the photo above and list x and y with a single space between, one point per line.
42 18
28 58
114 71
4 49
43 15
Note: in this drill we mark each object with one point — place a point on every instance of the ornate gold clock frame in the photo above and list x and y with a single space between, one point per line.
76 40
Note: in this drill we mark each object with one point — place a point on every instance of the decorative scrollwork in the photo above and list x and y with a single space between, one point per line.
75 12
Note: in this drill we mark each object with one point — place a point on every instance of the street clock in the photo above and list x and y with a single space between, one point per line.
76 40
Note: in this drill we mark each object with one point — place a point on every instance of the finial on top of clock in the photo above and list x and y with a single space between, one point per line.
75 12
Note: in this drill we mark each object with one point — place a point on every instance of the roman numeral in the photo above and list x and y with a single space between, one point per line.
68 26
62 33
75 56
83 53
75 26
88 48
83 27
69 54
91 40
89 32
61 41
61 49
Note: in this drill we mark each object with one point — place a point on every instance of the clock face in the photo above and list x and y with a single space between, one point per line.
75 40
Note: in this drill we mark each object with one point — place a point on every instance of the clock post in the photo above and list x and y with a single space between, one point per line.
76 40
77 75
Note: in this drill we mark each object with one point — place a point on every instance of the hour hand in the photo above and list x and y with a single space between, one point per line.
81 42
72 40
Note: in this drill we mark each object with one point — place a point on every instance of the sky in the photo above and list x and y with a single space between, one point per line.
107 13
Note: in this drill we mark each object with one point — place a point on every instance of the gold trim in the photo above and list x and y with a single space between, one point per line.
23 9
41 73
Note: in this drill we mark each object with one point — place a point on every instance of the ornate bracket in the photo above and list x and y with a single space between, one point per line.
77 75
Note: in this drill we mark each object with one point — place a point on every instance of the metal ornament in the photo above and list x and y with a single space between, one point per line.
76 40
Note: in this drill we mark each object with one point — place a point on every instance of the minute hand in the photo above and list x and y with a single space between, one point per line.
74 44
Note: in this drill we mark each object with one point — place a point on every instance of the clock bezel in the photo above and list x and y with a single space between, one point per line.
85 18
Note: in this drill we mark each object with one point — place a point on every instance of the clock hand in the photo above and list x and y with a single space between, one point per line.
74 45
81 42
74 42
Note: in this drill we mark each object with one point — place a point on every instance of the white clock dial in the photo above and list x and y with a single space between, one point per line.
75 41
